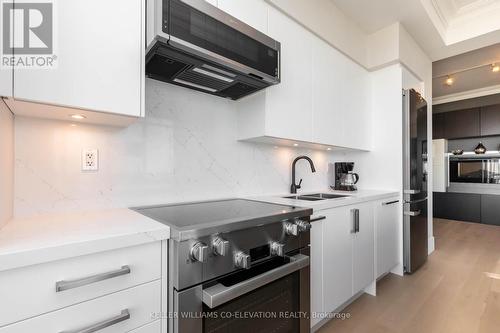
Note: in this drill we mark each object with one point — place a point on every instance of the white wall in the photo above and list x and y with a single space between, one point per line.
6 163
185 149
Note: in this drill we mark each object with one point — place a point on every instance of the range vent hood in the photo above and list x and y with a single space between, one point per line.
198 46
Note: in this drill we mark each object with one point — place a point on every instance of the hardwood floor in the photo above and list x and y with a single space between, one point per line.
457 290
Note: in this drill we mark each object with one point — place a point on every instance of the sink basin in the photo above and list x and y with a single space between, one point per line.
304 197
316 196
326 195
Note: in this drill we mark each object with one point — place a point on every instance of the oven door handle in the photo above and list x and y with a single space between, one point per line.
218 294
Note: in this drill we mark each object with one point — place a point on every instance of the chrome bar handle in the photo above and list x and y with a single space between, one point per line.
317 218
411 191
124 315
71 284
219 294
411 213
355 220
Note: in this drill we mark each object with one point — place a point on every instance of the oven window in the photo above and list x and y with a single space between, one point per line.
202 30
466 171
272 308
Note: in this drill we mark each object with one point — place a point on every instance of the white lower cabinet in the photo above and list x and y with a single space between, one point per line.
115 313
154 327
343 253
337 257
363 248
316 271
388 230
32 290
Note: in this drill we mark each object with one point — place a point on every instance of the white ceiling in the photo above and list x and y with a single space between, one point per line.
443 28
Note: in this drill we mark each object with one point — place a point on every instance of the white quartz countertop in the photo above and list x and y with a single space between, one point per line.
35 240
350 199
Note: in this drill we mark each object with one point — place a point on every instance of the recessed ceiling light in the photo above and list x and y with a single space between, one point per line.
77 116
449 81
328 148
72 125
295 144
495 68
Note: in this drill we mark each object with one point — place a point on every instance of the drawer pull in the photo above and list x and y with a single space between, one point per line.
390 202
124 315
65 285
317 218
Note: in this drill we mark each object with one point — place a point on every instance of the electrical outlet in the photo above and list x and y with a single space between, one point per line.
90 160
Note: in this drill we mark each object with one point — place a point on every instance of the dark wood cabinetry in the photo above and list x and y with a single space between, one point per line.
490 120
490 209
468 123
457 206
468 207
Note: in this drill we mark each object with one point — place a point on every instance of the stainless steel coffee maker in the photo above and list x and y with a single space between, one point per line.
345 178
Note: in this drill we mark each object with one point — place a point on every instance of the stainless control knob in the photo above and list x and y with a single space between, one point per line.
242 260
277 249
199 252
291 229
303 225
220 246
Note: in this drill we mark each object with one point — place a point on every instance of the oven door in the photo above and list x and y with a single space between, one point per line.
467 171
272 296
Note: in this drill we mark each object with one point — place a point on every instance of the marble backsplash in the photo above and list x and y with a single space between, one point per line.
185 149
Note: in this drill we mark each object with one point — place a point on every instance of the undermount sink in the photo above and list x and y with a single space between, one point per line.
316 196
304 197
326 195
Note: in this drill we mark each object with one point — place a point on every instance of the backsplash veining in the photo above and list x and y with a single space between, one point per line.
185 149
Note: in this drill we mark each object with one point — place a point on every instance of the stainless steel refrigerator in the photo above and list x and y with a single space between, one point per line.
415 219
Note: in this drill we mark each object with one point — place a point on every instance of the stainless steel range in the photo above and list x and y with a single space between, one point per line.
237 266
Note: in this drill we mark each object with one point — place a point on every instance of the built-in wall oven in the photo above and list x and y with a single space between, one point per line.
474 169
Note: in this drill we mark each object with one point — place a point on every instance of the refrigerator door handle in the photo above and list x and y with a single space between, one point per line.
411 191
413 213
415 201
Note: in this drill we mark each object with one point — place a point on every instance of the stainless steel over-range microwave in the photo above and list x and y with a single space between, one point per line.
193 44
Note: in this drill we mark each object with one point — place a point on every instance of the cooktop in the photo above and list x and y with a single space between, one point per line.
204 218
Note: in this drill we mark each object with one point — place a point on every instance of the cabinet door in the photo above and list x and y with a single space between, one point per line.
355 99
438 123
490 120
253 13
289 104
100 58
388 232
490 209
462 124
316 270
337 258
364 249
328 118
457 206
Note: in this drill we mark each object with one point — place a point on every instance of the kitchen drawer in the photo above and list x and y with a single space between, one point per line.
31 291
154 327
109 312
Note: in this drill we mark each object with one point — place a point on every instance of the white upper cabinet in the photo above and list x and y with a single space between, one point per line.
100 48
289 103
253 13
323 98
284 110
328 108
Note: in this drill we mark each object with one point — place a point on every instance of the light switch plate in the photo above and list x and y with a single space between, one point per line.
90 160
